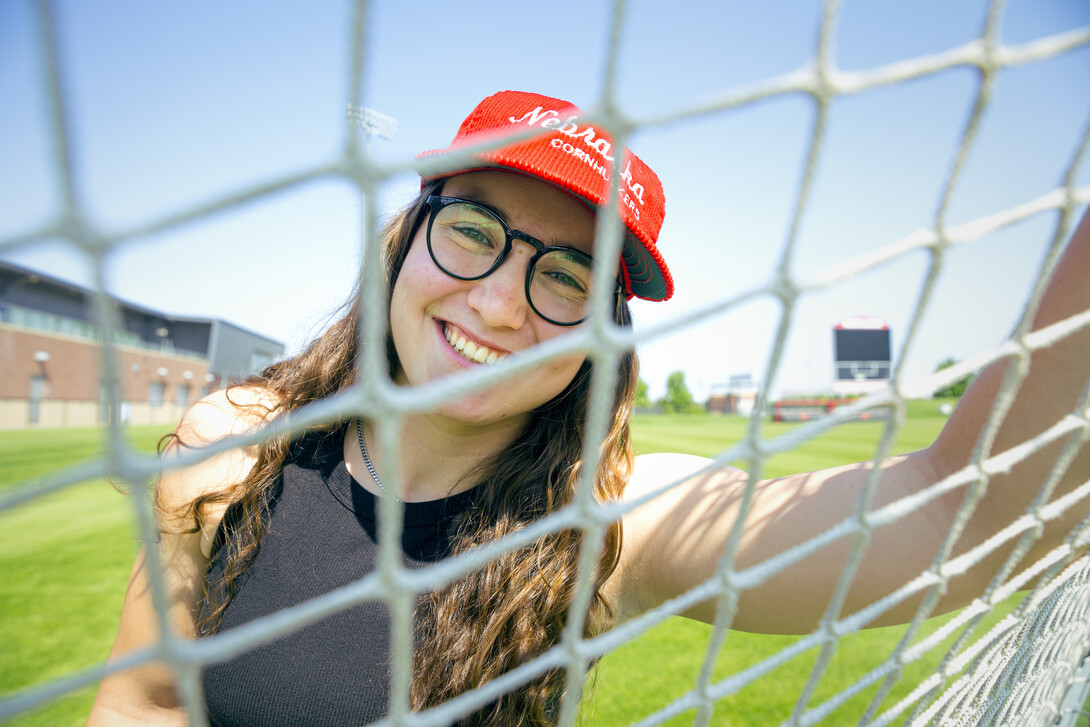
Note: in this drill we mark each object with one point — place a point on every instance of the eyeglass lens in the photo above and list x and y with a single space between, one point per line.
467 240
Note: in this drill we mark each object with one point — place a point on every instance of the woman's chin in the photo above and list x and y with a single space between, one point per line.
471 410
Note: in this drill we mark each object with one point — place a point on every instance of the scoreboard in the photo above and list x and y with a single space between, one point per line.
862 358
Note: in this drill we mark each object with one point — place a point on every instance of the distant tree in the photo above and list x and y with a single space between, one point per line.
643 401
678 398
954 390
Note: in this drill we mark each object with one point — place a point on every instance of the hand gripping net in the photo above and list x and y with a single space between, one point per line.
1024 671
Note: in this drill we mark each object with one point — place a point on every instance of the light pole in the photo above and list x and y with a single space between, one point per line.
373 123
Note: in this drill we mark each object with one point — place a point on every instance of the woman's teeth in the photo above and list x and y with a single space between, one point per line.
469 349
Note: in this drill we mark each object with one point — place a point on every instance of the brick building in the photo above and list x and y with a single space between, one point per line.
51 361
738 396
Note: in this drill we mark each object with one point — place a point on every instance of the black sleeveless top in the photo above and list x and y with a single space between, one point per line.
321 534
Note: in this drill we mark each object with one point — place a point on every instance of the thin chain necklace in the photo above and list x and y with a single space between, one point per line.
367 459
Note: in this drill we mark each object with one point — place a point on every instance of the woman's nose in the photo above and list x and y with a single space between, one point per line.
500 299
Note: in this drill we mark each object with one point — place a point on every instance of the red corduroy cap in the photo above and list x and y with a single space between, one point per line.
577 157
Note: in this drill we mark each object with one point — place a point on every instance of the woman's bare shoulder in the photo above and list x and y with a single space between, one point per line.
228 412
221 415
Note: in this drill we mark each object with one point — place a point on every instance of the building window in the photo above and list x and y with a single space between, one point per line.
181 394
37 393
156 391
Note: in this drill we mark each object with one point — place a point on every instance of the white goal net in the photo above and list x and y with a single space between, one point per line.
1023 670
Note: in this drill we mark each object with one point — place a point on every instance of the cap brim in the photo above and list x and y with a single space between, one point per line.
644 274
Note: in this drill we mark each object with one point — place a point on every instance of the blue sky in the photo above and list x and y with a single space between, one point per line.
173 104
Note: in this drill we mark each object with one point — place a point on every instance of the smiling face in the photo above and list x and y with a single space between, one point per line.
431 313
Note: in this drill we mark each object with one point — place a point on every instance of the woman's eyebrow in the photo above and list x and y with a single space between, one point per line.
481 198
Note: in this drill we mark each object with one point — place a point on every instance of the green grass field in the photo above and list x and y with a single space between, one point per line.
66 558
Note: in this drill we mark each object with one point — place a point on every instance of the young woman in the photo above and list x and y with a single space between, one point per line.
488 262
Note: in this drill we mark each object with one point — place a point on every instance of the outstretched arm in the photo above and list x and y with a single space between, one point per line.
147 694
675 541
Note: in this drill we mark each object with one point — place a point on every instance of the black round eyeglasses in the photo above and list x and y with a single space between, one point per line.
469 241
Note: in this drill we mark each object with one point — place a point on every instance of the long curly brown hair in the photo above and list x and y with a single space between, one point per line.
511 610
